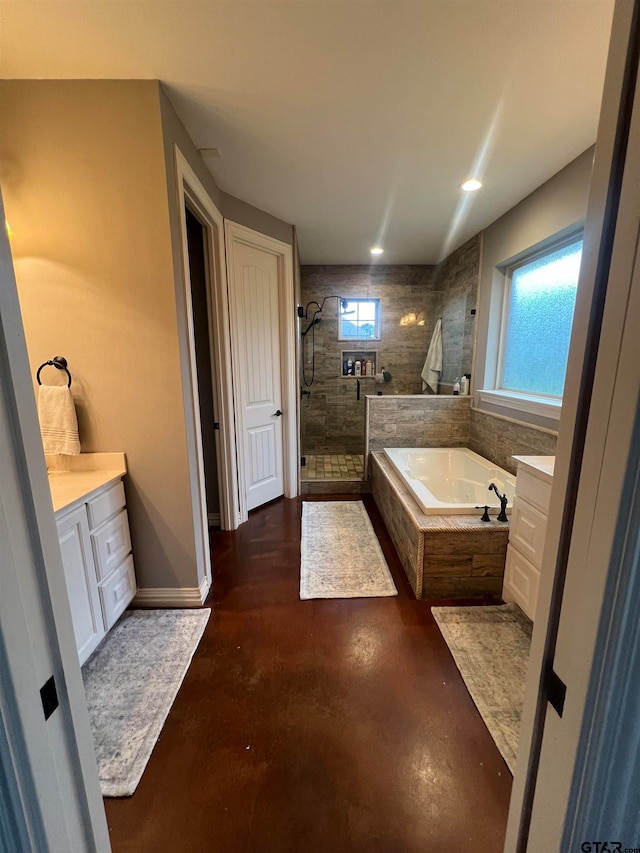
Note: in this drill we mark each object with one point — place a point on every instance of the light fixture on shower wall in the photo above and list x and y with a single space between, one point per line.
303 314
408 319
412 319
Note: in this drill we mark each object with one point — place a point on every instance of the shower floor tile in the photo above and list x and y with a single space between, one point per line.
333 467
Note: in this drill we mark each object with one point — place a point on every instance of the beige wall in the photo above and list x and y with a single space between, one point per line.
83 176
556 207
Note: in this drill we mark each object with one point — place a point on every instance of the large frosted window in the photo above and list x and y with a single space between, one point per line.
540 305
360 320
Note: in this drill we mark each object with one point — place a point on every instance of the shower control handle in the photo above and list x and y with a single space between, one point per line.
277 414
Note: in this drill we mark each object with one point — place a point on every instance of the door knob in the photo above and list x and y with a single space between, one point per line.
277 414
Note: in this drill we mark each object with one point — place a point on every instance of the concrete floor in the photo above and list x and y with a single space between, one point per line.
338 725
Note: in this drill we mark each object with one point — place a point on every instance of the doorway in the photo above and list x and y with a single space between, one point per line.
201 311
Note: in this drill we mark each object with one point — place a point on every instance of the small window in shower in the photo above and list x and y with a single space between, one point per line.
359 320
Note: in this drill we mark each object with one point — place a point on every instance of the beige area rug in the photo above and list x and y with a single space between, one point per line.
130 683
340 553
490 646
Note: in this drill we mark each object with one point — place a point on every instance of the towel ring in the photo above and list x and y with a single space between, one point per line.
60 363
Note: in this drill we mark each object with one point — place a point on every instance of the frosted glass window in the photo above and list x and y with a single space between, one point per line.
360 320
541 300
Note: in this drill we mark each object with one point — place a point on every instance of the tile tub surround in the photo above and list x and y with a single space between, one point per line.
332 420
416 420
443 556
499 439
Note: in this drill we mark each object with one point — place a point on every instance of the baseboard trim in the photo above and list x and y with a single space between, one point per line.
214 519
172 597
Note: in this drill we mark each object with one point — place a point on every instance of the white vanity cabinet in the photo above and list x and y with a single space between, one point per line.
79 573
527 531
98 566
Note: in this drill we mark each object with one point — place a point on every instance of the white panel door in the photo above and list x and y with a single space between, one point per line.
257 325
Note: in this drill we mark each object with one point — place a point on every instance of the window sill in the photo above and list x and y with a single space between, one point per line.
528 403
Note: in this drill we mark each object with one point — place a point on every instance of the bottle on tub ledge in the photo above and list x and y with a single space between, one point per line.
456 387
464 384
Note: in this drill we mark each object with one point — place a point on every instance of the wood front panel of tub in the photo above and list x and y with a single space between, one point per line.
444 556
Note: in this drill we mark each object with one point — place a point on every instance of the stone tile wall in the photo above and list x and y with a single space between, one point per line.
332 419
417 421
456 282
498 438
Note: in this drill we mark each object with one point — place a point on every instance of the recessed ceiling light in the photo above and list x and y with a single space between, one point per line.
376 250
471 185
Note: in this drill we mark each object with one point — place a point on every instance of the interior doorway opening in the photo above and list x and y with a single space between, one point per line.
202 323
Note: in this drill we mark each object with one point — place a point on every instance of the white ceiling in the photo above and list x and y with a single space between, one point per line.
354 119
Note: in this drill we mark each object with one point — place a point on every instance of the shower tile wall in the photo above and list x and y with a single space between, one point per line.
332 419
418 421
457 282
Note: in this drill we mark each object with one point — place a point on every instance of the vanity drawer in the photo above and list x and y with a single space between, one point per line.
533 489
111 543
528 530
103 506
117 591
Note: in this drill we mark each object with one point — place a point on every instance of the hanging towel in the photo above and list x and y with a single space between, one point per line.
433 362
58 421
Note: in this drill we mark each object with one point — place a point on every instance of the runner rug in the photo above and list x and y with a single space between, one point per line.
131 682
340 553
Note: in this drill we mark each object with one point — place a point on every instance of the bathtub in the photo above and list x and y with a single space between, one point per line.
450 481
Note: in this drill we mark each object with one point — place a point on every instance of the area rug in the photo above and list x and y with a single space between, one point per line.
130 683
490 646
340 553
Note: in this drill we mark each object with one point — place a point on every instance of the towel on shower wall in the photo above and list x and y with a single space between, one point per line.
433 362
58 421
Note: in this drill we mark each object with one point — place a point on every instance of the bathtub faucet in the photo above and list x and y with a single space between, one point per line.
504 500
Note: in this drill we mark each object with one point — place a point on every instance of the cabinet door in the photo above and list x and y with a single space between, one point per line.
82 585
521 581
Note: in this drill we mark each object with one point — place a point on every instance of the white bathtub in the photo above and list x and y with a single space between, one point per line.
448 480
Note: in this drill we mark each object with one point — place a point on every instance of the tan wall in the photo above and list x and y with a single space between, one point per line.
252 217
83 177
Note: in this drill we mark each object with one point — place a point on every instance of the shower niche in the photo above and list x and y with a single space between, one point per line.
348 363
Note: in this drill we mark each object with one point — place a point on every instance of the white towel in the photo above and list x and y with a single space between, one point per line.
433 362
58 421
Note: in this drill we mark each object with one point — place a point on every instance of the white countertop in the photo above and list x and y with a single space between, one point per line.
72 479
540 466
